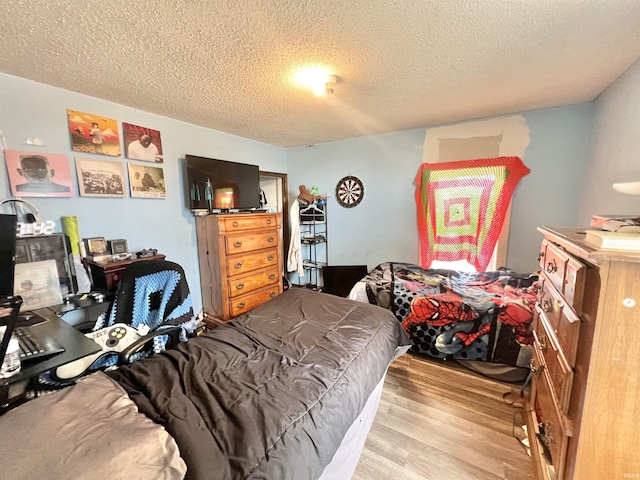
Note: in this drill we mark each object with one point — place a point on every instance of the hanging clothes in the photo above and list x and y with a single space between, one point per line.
294 260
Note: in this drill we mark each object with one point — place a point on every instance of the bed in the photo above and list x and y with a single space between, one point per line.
286 391
448 314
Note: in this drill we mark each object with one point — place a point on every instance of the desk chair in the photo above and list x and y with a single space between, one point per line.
153 294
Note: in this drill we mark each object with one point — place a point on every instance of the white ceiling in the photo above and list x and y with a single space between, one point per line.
403 64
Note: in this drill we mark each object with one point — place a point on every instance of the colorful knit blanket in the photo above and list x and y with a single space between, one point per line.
462 206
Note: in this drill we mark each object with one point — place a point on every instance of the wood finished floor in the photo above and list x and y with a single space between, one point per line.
440 421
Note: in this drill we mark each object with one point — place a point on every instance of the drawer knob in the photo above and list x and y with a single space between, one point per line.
235 224
534 366
241 305
270 239
270 257
547 306
551 266
542 340
268 221
240 286
540 256
272 276
237 244
238 265
272 294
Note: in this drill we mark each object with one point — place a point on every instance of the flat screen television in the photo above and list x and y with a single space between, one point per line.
221 186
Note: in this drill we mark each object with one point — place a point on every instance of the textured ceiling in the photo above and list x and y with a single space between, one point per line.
403 64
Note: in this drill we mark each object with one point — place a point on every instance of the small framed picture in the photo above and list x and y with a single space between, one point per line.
92 133
95 246
142 143
39 174
100 178
146 182
117 246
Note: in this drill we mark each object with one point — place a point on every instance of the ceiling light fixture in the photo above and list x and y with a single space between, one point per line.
318 79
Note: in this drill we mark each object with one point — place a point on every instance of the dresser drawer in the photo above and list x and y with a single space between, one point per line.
561 319
244 303
553 361
564 272
551 424
242 285
550 302
238 223
239 264
246 243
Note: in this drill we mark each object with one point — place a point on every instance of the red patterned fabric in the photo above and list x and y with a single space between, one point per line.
461 208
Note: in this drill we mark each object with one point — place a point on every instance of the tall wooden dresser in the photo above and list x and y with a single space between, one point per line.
584 415
240 259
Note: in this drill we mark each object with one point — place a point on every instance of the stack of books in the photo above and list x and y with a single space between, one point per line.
613 223
615 232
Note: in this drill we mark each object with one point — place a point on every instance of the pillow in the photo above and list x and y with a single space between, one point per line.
91 430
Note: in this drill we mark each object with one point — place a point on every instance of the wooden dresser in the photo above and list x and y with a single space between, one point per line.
585 397
240 259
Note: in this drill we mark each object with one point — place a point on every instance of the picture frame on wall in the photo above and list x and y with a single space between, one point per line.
146 181
39 174
142 143
100 178
92 133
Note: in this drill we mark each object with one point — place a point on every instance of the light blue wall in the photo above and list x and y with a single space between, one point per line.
29 109
383 227
615 149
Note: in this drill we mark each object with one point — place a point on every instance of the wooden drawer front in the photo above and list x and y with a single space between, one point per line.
559 371
240 286
574 279
239 264
550 302
238 223
553 263
565 273
247 243
244 303
556 431
562 320
567 332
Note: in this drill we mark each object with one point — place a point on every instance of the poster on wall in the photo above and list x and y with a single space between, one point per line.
147 182
93 133
142 143
39 174
100 178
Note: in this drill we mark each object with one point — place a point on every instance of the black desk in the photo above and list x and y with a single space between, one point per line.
75 343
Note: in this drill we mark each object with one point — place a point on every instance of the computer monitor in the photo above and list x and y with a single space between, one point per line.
8 226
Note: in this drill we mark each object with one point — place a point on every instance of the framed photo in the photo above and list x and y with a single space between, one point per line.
93 133
100 178
39 174
147 182
95 246
38 285
142 143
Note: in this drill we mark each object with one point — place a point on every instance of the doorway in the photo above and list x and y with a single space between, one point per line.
276 197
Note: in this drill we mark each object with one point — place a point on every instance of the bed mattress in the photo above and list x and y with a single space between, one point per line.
271 394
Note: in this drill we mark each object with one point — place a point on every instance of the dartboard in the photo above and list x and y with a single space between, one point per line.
349 191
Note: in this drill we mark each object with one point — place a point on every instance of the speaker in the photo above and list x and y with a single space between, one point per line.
8 226
340 279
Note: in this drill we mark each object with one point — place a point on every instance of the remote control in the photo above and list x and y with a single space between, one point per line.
114 338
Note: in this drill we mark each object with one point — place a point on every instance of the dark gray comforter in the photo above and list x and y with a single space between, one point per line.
271 394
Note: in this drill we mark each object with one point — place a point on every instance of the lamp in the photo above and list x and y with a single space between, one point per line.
630 188
317 79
